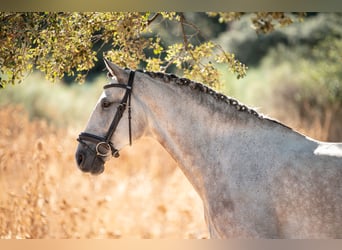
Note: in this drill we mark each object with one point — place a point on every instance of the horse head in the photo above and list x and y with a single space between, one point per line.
109 127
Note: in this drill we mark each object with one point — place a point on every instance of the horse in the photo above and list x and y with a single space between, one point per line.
257 177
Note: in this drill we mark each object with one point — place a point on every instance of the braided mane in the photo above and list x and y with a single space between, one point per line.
196 86
167 78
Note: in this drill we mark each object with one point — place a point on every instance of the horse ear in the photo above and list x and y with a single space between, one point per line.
120 74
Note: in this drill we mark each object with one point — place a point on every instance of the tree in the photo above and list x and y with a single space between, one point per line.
67 43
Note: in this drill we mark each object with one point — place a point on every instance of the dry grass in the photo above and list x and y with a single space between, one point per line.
44 195
140 195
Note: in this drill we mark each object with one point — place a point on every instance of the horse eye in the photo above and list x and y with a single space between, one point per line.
105 103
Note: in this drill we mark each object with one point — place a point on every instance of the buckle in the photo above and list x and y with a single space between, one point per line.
103 149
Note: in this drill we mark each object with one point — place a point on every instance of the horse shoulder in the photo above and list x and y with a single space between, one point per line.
308 194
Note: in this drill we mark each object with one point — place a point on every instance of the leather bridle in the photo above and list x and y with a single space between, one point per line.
103 143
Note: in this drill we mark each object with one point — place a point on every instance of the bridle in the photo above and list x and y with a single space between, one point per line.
104 145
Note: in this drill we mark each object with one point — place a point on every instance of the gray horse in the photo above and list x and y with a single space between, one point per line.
256 177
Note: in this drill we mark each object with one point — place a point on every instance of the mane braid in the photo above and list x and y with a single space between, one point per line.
167 78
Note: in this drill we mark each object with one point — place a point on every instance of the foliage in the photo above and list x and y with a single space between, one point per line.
311 84
318 70
67 43
263 22
328 72
250 47
299 85
58 104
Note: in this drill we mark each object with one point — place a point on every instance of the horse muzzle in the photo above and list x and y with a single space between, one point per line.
88 161
92 152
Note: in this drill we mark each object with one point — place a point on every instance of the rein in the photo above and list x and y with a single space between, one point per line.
104 145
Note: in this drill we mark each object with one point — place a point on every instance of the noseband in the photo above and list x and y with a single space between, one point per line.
104 145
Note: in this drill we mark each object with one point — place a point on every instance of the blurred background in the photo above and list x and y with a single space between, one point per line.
294 76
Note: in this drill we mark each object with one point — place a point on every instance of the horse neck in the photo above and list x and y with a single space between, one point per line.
196 128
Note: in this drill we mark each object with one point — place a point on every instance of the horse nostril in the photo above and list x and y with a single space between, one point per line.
79 158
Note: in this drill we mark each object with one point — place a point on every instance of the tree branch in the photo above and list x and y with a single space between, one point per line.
153 18
182 22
